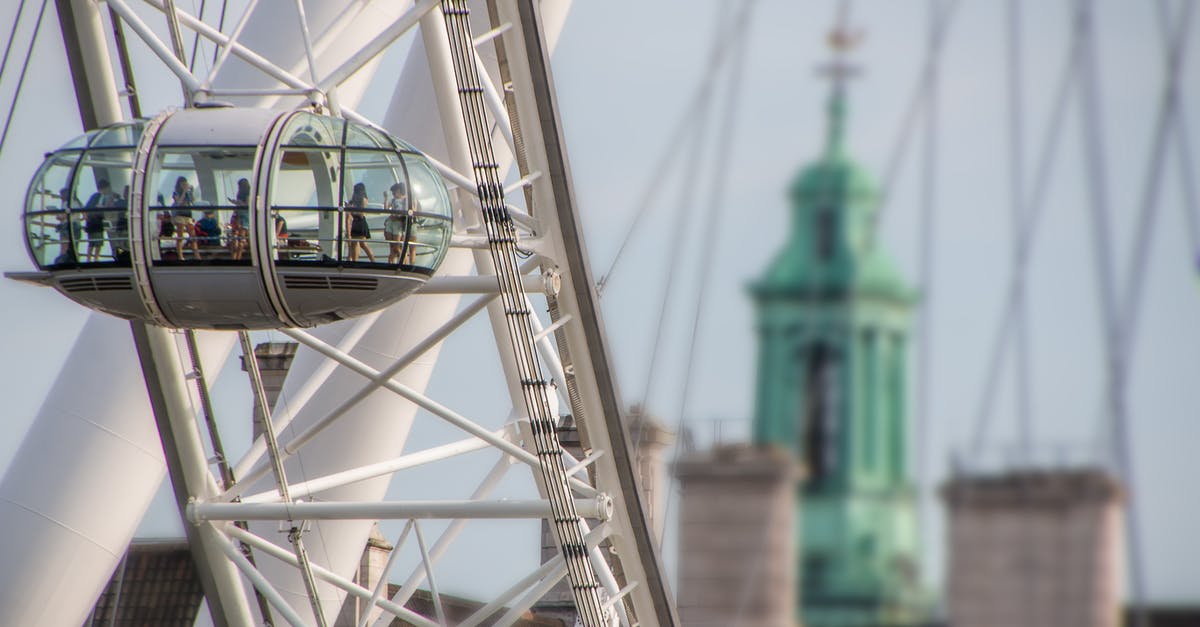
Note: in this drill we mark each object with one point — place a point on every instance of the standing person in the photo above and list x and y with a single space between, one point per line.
239 224
94 222
359 230
181 198
119 232
69 231
395 228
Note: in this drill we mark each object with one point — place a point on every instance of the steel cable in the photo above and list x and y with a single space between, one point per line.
711 220
37 27
1026 238
12 36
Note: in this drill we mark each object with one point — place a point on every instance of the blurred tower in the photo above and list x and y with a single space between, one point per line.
833 318
737 524
1034 548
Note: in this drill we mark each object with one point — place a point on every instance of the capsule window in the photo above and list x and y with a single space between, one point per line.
199 207
306 129
304 205
102 180
429 236
368 191
51 231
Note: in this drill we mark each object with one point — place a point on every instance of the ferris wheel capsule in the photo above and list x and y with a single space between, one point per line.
231 218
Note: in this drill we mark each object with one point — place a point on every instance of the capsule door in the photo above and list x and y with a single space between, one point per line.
198 221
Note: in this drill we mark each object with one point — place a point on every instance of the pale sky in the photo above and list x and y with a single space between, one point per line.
623 76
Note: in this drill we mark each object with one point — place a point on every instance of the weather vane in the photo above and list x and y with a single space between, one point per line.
842 39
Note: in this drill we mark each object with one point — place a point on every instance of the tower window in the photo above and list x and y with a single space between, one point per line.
826 233
820 414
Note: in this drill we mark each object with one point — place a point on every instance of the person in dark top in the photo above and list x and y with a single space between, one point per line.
182 198
68 233
94 222
208 230
359 230
118 241
239 222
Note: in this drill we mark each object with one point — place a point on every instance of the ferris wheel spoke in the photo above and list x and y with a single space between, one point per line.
430 455
270 548
236 48
425 402
376 46
156 45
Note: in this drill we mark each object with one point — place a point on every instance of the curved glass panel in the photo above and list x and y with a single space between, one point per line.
103 179
358 136
119 136
306 129
304 200
198 204
372 180
51 231
431 228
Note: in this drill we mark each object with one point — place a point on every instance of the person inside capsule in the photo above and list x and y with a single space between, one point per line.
397 226
239 231
182 219
94 223
360 231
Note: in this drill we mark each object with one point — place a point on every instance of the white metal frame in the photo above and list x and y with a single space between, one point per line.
603 481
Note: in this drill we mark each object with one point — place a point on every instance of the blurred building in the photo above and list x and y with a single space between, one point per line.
1035 548
737 524
833 318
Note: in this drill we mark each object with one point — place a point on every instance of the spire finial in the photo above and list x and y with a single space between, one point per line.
842 39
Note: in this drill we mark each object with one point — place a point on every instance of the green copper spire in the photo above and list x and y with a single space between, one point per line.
833 322
835 137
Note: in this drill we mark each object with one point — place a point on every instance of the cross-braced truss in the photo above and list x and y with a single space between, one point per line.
527 248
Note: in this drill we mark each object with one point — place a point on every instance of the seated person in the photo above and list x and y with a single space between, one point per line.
208 230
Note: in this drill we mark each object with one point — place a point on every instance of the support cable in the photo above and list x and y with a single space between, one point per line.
296 531
927 238
675 257
735 33
501 232
1175 44
12 36
1016 132
711 220
220 29
916 106
177 44
196 37
37 27
724 39
1097 177
1026 238
131 93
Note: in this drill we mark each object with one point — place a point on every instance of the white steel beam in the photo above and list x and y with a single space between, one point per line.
229 45
156 45
474 285
551 565
439 611
425 403
305 489
384 577
324 574
448 535
376 46
296 402
259 582
599 508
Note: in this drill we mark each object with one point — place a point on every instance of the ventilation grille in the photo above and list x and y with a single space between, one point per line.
96 284
317 282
